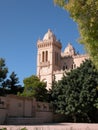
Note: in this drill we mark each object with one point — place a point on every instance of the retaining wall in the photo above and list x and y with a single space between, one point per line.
3 113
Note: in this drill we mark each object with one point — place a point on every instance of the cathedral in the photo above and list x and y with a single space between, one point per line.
51 61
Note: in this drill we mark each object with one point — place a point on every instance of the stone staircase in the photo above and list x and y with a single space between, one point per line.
25 121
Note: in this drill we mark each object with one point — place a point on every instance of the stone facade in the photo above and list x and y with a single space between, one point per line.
51 61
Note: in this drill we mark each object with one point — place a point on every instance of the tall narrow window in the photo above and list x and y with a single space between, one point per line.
46 56
66 67
43 56
55 58
74 65
63 67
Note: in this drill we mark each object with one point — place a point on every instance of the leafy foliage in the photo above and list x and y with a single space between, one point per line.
76 94
3 71
23 128
34 88
3 128
13 84
85 13
8 86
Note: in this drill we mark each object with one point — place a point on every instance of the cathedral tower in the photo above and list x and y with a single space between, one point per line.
48 57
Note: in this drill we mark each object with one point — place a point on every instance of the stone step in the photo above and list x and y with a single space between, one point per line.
25 121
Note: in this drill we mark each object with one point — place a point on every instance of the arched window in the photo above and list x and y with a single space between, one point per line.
46 56
74 65
66 67
43 54
56 58
63 67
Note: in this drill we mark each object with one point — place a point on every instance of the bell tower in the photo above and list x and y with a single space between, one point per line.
48 57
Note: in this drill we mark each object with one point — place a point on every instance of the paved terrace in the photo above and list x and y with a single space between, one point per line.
57 126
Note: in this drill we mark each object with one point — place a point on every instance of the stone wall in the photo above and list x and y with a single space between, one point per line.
24 121
18 110
46 117
3 110
3 113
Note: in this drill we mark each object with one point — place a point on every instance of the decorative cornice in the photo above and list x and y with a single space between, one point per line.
81 55
42 44
43 64
61 71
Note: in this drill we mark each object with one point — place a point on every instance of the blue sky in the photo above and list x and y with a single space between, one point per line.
22 23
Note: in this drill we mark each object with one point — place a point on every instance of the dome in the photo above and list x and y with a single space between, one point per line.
69 50
49 36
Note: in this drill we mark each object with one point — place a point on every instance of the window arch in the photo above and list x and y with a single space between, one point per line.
46 56
63 67
56 58
43 54
74 65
